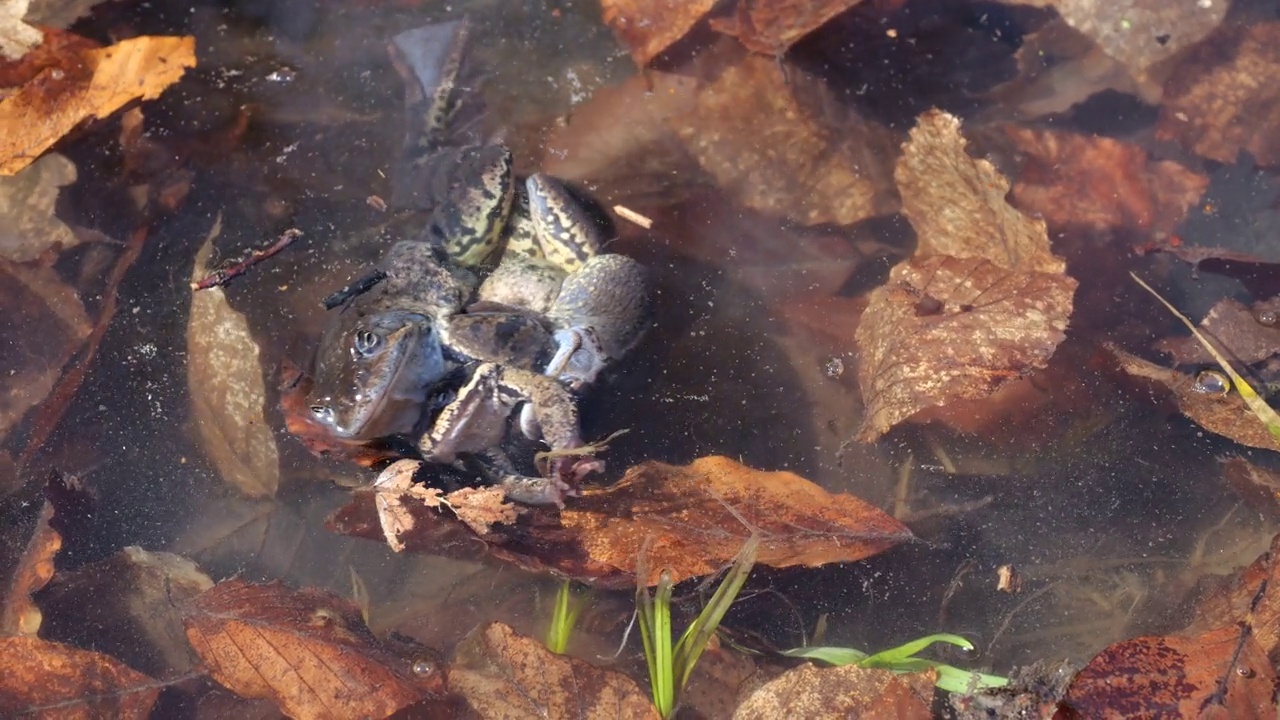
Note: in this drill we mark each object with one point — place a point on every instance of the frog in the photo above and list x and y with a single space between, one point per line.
447 345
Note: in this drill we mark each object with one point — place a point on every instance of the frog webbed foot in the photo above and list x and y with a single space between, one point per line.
497 468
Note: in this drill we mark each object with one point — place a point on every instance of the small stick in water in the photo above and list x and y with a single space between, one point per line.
236 268
359 287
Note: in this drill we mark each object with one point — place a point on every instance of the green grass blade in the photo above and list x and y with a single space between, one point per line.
885 658
563 619
958 680
1264 412
832 655
664 689
695 638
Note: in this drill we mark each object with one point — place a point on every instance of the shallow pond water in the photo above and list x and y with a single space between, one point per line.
1111 507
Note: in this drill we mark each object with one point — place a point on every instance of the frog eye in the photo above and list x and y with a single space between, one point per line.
367 342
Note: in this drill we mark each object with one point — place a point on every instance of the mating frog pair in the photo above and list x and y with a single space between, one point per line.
434 352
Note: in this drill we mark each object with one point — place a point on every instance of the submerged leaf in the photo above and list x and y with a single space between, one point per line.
945 329
505 675
307 650
847 691
228 393
1222 101
772 26
983 302
648 27
47 679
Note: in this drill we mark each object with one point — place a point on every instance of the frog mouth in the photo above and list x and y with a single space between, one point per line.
397 383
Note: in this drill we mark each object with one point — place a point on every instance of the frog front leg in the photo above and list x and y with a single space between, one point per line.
522 488
601 312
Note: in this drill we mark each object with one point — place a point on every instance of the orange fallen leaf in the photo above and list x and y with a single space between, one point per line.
983 302
56 101
1225 415
694 519
505 675
1211 675
20 616
648 27
51 680
1222 99
846 691
1100 183
307 650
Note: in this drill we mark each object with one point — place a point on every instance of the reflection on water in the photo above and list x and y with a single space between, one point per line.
1095 498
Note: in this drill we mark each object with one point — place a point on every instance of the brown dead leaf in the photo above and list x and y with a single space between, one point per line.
60 49
648 27
723 678
1223 98
1237 331
51 680
1100 182
307 650
228 393
983 302
1143 36
56 101
20 616
1238 601
1199 676
135 609
694 519
1225 415
777 142
956 203
848 691
1260 487
772 26
398 496
505 675
945 329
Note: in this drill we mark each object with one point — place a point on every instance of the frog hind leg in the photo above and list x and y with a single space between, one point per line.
474 186
566 234
497 469
602 311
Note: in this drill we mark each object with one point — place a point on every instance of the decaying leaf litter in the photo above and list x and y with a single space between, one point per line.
791 197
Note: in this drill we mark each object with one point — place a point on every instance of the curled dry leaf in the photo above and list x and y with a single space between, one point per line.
694 519
1142 35
134 610
51 680
1237 331
648 27
19 615
1222 99
228 393
306 650
772 26
982 303
505 675
1225 415
778 143
847 691
1100 183
397 497
55 102
1215 674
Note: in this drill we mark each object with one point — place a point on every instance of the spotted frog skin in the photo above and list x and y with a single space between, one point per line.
446 347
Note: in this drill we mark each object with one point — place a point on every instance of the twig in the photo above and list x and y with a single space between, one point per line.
236 268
